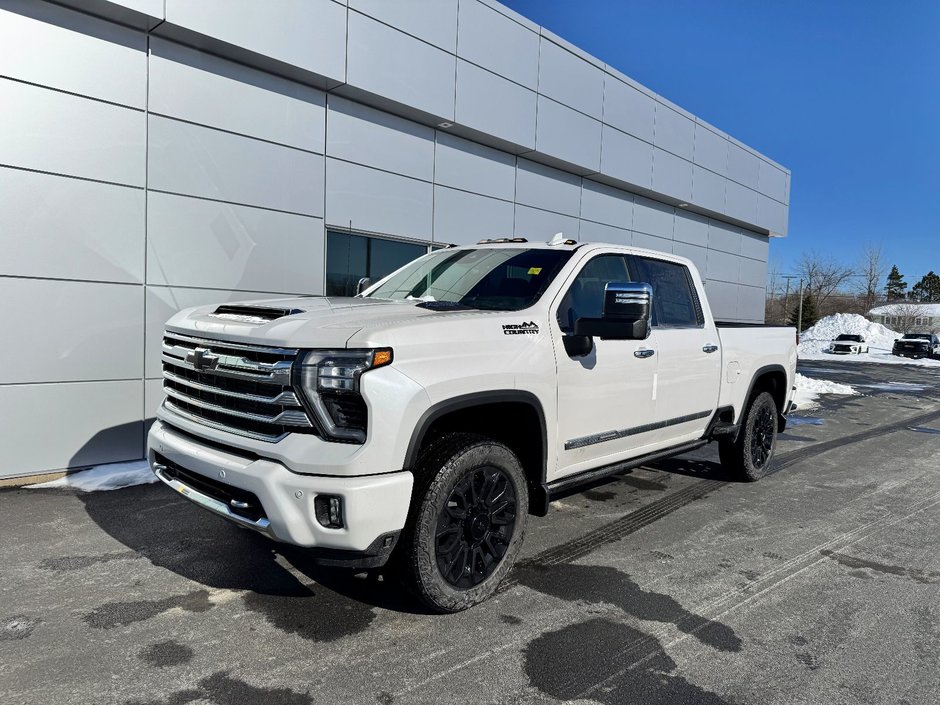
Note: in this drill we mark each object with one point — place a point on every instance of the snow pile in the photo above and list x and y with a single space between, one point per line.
808 391
815 340
112 476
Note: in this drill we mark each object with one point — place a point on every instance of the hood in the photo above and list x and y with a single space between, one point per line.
298 322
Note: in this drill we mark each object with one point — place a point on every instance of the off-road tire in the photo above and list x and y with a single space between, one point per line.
441 467
741 457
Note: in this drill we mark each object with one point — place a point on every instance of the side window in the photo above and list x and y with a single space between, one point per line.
675 303
585 296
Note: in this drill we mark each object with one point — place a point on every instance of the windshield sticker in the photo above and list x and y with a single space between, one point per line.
530 328
535 270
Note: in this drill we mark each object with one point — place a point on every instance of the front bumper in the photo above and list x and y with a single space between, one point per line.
374 506
915 354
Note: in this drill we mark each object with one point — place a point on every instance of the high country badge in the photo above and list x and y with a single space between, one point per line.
521 329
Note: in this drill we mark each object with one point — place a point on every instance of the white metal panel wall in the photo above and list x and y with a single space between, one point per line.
151 176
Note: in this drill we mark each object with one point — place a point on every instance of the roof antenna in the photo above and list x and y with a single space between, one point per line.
560 239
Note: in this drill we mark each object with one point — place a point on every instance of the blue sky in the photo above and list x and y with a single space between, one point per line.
845 94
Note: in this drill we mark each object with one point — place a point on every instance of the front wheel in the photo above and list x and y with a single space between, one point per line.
467 521
750 456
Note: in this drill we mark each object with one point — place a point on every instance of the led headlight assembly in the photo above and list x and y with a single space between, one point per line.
329 380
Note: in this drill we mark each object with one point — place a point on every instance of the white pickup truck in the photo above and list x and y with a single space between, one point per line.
423 419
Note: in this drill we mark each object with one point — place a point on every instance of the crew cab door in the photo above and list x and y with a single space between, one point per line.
605 398
688 350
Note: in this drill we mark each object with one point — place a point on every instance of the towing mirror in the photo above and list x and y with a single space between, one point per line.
628 309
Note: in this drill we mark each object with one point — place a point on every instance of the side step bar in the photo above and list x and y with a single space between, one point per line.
567 483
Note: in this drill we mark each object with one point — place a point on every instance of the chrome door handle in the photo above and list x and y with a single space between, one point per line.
710 348
644 353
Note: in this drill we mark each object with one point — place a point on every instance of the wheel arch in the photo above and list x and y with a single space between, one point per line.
511 416
769 378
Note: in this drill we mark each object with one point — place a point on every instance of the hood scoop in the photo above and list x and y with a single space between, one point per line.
253 314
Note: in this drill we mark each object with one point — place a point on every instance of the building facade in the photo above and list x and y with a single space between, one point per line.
158 154
908 317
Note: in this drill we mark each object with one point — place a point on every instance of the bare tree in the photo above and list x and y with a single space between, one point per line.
823 276
902 316
872 269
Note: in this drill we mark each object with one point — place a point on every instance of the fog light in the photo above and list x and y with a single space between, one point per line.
329 510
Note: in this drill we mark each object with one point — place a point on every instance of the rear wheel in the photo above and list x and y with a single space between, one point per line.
467 521
750 456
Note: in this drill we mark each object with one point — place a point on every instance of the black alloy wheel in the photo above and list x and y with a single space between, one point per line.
466 522
762 437
750 455
475 527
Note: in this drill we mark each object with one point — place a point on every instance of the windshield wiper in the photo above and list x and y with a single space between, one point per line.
446 306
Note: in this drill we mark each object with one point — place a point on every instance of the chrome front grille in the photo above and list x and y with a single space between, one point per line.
243 389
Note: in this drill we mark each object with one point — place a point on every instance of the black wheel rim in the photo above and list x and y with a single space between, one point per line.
474 529
762 437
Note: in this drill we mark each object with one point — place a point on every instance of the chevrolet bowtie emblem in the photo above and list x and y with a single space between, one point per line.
202 359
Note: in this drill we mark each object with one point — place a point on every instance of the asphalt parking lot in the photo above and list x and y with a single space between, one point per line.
667 584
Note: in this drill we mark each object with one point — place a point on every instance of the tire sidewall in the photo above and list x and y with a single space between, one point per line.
440 594
761 401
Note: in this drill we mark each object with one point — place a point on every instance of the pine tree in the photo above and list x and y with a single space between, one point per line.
927 290
896 290
810 313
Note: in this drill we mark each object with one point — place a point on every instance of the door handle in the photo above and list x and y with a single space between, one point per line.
644 353
710 348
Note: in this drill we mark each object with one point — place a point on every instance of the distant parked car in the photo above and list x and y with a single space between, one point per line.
848 344
917 345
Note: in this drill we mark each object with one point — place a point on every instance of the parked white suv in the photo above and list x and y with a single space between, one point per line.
425 418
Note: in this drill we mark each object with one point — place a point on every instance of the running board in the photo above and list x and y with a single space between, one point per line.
582 478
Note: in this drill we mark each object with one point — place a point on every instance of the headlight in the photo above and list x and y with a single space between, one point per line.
330 382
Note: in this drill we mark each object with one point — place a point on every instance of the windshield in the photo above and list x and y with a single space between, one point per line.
917 336
850 338
495 279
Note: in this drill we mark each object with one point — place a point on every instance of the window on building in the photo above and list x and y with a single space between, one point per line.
350 257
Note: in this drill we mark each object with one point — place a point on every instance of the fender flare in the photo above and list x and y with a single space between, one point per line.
760 372
537 488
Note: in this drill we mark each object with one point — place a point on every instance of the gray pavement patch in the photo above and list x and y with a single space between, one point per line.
616 530
605 585
223 689
585 659
167 653
66 563
317 616
598 495
641 484
120 614
18 627
861 564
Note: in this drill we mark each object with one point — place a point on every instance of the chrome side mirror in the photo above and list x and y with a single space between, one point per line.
627 313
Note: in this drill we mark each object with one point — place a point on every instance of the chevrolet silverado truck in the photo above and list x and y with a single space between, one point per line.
420 422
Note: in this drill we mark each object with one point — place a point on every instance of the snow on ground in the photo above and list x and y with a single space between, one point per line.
808 391
112 476
814 342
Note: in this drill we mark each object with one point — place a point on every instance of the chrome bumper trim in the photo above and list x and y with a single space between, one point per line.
262 526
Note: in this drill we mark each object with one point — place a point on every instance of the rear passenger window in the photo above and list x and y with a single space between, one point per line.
675 303
585 297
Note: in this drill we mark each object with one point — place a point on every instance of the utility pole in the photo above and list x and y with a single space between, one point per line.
786 296
799 322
